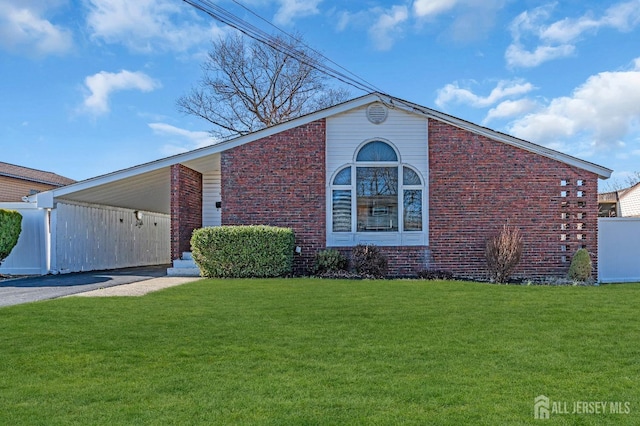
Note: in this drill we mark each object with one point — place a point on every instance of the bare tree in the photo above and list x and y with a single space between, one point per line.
247 86
617 184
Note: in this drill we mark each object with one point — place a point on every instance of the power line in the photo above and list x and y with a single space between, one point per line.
222 15
307 46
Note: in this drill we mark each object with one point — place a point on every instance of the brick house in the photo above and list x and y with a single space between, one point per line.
17 182
426 187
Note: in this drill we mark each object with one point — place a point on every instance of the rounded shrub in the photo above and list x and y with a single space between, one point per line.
328 261
581 266
369 261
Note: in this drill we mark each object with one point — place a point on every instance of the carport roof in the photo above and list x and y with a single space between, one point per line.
147 186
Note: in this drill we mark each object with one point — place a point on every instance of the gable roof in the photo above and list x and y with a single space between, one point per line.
33 175
156 172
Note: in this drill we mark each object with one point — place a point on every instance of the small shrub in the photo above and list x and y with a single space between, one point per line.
434 274
330 260
581 267
243 251
503 252
10 228
369 261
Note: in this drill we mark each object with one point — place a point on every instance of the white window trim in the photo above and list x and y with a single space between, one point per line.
387 238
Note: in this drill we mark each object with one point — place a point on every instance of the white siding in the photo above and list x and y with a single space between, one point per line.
408 133
347 131
94 237
211 193
29 256
630 203
618 250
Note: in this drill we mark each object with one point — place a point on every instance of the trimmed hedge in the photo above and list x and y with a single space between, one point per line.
243 251
10 228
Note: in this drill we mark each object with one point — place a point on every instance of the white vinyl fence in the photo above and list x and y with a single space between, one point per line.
618 250
91 237
81 237
29 256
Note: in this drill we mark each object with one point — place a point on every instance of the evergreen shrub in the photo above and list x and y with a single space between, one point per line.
243 251
581 266
10 228
329 261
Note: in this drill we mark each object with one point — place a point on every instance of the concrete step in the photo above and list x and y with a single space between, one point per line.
184 263
183 272
186 255
184 267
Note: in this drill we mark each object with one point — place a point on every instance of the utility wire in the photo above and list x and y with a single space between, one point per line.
250 30
308 47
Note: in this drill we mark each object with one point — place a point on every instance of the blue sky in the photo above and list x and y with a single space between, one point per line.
90 86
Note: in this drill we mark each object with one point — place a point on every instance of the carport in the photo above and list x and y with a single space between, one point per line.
129 218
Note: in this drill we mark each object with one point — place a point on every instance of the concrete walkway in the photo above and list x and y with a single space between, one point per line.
32 289
139 288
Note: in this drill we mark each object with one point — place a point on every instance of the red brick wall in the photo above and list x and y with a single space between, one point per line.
280 181
186 207
476 185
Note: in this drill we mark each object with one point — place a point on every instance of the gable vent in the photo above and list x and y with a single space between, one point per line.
376 113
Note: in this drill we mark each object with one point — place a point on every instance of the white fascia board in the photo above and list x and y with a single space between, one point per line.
602 172
11 205
44 200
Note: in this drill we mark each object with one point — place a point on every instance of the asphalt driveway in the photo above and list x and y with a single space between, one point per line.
32 289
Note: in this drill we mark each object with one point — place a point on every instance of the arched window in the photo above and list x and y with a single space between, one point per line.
376 193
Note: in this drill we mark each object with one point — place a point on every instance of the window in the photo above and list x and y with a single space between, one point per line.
376 193
377 198
341 201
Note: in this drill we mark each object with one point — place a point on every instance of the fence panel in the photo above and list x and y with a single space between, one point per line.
29 256
93 237
619 250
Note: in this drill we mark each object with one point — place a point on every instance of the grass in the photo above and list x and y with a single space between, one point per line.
310 351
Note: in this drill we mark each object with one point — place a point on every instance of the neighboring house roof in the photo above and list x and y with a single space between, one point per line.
124 188
33 175
608 197
626 201
614 196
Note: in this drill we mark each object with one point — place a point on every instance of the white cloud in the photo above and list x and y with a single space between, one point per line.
292 9
146 25
103 84
517 56
388 27
181 140
24 29
622 17
426 8
605 109
509 108
474 19
453 93
558 39
471 20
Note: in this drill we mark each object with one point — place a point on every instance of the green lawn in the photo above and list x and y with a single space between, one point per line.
310 351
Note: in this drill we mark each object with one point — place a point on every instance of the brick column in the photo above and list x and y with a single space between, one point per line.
186 207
